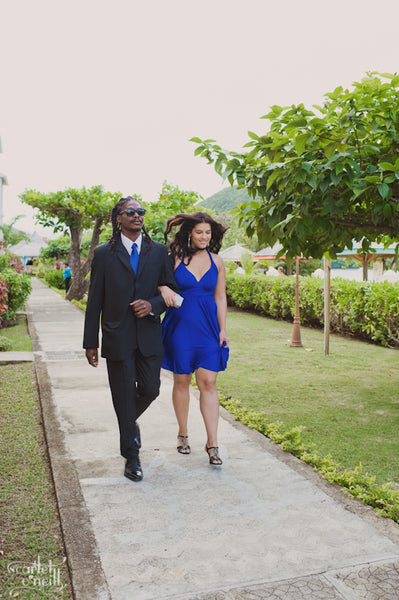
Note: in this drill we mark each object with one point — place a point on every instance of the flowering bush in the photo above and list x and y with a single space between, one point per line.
11 261
3 298
14 262
19 287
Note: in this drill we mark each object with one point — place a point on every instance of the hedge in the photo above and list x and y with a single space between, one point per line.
19 287
54 279
365 309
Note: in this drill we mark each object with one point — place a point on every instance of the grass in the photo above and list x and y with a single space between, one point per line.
18 335
29 520
347 401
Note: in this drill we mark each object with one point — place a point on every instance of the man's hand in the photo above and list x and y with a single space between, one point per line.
141 308
92 356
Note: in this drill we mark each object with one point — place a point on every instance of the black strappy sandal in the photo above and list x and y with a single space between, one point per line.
214 458
184 448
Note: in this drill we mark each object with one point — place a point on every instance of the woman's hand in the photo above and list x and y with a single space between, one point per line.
223 339
168 295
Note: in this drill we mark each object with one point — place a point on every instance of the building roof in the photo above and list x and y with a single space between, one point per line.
31 248
234 252
269 253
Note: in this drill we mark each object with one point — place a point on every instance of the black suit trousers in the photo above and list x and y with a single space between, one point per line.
134 384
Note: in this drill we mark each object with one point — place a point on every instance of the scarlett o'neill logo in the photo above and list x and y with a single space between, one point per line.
36 575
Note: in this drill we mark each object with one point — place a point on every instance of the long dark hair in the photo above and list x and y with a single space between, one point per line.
116 227
180 246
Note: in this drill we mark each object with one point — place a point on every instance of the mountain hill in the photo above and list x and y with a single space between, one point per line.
224 201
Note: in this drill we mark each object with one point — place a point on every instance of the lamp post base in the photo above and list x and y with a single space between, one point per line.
296 335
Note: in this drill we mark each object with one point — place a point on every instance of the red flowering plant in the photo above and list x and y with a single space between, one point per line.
14 262
3 298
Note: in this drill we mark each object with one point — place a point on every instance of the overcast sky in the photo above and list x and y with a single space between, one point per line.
95 92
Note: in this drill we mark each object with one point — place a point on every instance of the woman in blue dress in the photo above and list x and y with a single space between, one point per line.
194 333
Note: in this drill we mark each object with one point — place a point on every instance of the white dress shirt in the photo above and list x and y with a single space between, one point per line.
127 242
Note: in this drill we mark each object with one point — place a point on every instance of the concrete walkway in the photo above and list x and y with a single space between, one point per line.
262 526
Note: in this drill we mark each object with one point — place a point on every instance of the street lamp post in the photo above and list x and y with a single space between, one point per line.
296 333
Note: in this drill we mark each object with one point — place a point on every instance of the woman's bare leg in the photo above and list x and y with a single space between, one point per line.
209 404
181 401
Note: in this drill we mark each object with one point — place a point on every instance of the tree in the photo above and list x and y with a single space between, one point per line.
58 248
172 200
321 178
235 233
74 211
12 236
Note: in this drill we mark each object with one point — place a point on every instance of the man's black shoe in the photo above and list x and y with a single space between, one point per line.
133 469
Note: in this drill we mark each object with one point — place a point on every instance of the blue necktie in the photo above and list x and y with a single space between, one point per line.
134 257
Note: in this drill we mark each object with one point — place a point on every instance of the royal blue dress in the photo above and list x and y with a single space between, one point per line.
191 333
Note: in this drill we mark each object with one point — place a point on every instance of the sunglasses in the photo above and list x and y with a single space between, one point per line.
130 212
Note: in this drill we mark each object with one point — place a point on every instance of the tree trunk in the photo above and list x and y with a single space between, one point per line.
80 284
365 269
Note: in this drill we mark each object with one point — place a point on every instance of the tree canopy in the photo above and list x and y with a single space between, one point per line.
12 236
172 200
321 178
73 211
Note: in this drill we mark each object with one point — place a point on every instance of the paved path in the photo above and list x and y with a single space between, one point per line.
262 526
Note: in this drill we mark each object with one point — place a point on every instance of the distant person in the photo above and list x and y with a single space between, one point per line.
281 272
67 276
194 335
123 295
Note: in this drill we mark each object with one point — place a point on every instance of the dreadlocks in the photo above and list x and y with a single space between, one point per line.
180 246
116 227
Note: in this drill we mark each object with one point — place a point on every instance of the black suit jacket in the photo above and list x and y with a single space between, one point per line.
113 285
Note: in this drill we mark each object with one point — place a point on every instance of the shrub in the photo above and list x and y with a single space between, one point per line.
365 309
3 298
11 261
19 288
3 262
54 279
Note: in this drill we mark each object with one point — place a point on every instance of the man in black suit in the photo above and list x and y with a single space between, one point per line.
123 293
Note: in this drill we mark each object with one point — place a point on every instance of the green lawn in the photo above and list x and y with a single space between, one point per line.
348 401
29 526
18 335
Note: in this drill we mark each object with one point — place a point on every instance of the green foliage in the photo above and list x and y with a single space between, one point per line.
80 303
12 236
356 482
73 211
3 262
11 261
54 279
172 200
3 298
58 247
71 208
248 263
365 309
235 233
19 287
321 178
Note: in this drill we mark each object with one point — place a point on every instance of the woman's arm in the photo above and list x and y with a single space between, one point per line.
221 300
168 295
